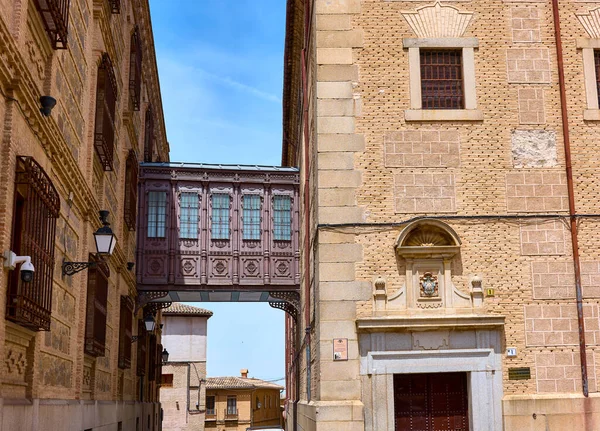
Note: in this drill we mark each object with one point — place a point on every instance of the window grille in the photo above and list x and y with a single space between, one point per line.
141 349
220 216
115 6
97 298
125 336
106 97
157 210
36 208
597 67
131 188
282 218
251 217
135 69
149 136
441 79
55 17
188 221
166 381
152 358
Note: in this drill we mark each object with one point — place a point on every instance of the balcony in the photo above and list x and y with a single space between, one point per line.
231 414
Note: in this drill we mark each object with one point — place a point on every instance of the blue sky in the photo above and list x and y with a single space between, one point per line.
221 70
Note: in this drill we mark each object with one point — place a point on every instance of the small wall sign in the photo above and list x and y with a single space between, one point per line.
340 349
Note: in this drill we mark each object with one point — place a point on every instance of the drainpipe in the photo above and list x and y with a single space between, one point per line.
572 213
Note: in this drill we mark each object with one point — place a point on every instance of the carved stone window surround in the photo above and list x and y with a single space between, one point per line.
467 45
588 46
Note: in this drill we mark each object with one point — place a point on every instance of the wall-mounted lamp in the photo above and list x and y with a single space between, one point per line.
105 244
149 322
165 356
47 102
130 265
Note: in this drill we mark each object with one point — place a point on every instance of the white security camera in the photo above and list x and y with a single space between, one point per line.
27 269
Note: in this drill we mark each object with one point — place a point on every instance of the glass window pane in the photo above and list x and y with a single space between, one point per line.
157 214
282 218
220 216
251 217
188 222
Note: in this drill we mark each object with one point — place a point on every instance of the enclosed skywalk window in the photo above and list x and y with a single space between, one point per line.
282 218
251 217
157 208
189 216
220 216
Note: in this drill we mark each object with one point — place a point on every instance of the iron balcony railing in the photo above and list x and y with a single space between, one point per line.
211 414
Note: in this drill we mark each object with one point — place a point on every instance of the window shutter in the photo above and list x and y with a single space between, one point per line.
152 359
135 70
125 321
36 208
97 298
141 349
106 98
149 136
159 349
131 189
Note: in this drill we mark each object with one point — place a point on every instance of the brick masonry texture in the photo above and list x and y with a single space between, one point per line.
516 89
426 148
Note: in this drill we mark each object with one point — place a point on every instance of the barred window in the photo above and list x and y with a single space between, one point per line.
141 348
188 222
135 69
442 79
282 218
97 298
149 136
125 336
35 210
251 217
106 97
157 212
220 216
55 17
131 187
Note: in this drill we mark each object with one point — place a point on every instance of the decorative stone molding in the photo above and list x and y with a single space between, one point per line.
590 22
437 21
379 293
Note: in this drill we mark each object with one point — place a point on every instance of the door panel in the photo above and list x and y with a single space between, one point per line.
431 402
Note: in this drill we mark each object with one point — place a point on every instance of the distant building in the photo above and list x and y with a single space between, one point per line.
236 403
182 392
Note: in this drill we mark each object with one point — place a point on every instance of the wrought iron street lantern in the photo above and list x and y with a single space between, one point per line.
149 322
165 356
105 241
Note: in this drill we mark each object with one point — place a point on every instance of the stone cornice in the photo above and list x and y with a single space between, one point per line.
141 10
430 322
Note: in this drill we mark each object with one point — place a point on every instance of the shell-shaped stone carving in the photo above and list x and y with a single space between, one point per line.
591 22
428 236
438 21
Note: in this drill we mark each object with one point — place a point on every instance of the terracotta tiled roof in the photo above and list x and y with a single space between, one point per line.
179 308
239 383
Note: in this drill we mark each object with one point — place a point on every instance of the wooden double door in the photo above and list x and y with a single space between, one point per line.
431 402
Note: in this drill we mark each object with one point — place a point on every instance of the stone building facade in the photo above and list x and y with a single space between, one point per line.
448 153
183 382
66 340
